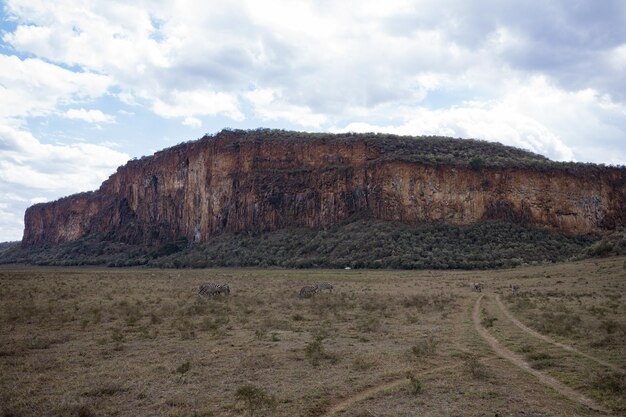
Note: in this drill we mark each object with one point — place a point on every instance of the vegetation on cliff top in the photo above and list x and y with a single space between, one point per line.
431 150
360 243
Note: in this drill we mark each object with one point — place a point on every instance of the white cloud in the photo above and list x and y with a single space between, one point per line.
318 65
535 116
110 144
192 122
25 162
32 172
98 35
310 63
617 57
11 222
318 62
198 103
269 105
32 87
89 116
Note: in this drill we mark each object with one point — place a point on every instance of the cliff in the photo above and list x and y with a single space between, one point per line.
265 180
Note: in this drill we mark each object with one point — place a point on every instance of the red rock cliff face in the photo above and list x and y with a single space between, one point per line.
220 184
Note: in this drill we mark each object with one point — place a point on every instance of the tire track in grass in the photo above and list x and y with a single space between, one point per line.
370 392
548 339
346 403
520 363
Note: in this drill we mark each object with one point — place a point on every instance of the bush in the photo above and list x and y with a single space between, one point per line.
315 352
476 163
562 324
186 329
416 384
613 383
600 248
425 346
540 360
183 368
525 348
474 366
368 324
609 326
254 398
104 389
117 336
488 321
611 388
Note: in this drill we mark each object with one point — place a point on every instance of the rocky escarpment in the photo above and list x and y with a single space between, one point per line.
266 180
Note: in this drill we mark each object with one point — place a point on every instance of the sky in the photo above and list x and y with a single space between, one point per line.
87 85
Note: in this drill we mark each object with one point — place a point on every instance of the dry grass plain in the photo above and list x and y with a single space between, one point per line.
139 342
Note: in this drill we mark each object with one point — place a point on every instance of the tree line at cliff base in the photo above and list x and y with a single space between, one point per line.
357 243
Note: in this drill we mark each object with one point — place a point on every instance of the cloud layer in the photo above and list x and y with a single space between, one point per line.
33 172
542 76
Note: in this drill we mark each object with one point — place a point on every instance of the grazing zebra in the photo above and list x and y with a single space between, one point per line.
324 286
210 289
476 286
308 291
224 289
514 289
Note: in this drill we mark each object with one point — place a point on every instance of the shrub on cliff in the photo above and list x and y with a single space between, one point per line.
476 163
433 150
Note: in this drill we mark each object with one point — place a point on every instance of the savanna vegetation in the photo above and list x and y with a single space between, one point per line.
358 243
4 246
101 341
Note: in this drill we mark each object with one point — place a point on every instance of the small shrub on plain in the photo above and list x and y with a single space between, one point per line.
255 399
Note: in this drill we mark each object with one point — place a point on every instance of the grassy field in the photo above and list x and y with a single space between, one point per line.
99 342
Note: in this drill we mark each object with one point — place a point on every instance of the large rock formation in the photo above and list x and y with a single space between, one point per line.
264 180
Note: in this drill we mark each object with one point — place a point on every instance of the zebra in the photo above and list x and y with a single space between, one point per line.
308 291
209 289
324 286
515 289
476 286
224 289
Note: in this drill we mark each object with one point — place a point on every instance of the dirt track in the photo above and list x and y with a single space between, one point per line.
520 363
365 394
545 338
371 391
499 350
